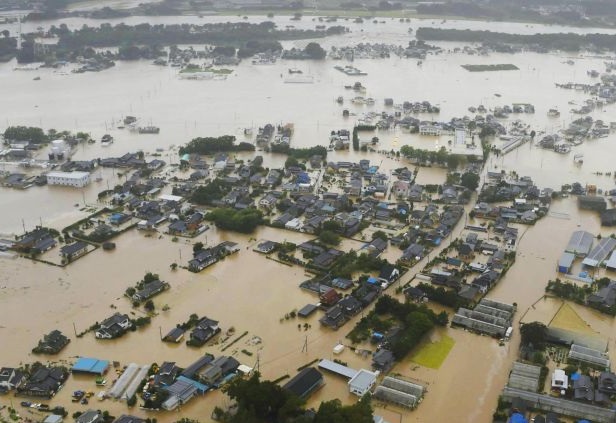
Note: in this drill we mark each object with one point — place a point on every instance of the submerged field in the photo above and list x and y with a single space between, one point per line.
433 354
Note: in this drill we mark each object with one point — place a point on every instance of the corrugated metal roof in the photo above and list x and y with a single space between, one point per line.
337 368
580 243
600 252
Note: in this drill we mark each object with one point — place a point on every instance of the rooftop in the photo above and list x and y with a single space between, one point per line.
580 243
90 365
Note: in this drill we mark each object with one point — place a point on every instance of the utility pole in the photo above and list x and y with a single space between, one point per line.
305 347
256 368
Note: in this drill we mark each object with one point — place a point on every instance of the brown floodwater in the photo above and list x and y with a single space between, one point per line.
247 291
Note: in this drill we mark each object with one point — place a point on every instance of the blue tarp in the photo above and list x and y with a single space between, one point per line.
575 376
90 365
372 280
517 418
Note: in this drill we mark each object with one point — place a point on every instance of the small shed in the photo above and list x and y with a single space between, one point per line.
565 262
307 310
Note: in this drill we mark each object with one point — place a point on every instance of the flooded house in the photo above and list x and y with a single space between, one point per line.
113 327
73 251
217 370
205 330
52 343
150 290
43 382
11 379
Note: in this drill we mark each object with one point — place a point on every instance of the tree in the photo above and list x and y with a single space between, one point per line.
291 162
315 51
261 401
334 412
329 238
150 277
244 221
173 266
534 333
453 160
379 234
149 306
469 180
25 133
197 247
331 225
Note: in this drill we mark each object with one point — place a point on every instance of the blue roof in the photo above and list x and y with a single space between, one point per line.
575 376
200 386
90 365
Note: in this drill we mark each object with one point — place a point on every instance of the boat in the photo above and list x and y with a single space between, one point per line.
553 113
340 100
295 70
149 130
101 381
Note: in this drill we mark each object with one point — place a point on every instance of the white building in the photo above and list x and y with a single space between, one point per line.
460 137
71 179
430 129
362 382
560 381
